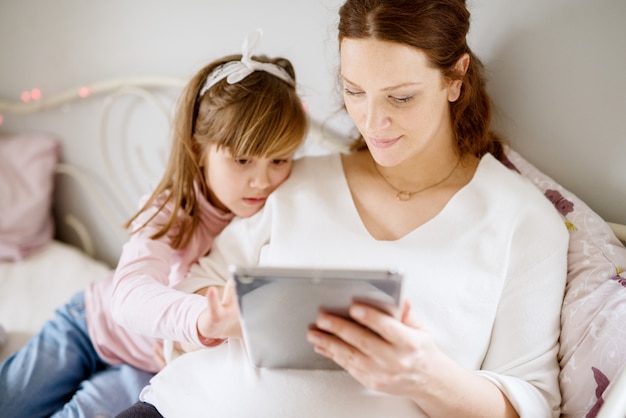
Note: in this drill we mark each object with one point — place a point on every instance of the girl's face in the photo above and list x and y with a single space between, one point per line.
241 184
398 102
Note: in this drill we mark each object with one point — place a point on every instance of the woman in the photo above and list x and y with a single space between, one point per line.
483 252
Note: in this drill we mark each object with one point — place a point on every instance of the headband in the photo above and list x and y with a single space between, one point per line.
235 71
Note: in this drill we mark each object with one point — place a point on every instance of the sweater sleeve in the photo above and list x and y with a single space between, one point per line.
522 356
143 300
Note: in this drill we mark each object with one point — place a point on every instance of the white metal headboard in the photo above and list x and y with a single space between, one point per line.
111 91
144 88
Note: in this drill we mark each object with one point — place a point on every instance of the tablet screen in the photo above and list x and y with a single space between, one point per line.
278 305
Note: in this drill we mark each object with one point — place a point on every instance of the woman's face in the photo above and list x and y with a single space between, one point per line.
242 184
398 102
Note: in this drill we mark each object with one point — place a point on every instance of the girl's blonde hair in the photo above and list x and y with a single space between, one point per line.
258 116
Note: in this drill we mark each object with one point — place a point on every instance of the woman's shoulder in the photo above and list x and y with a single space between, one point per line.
511 193
507 183
315 168
311 177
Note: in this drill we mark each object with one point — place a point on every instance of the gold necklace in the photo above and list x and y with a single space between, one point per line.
404 195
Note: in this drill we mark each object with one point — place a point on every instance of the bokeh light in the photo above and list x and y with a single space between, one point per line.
35 94
83 92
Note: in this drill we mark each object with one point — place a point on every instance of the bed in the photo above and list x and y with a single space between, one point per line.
57 220
41 269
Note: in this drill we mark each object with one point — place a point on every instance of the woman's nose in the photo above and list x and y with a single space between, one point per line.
376 117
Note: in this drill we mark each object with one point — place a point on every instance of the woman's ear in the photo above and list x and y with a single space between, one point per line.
460 68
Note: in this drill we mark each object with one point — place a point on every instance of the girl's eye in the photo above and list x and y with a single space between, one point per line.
280 161
242 161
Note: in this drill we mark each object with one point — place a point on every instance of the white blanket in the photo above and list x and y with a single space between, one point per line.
31 289
221 382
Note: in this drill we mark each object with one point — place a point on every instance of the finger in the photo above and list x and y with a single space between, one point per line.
160 362
408 317
377 335
388 327
348 339
158 355
375 320
229 293
329 345
213 299
406 310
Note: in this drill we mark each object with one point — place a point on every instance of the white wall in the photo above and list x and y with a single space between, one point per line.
556 70
558 76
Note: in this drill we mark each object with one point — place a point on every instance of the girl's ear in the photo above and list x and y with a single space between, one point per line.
460 68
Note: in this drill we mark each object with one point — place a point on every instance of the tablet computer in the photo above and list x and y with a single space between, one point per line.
278 306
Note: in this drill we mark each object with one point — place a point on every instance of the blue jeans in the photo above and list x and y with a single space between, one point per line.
60 374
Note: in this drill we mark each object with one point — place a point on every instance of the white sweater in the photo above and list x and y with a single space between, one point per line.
486 276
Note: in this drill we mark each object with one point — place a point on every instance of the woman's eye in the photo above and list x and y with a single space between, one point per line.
404 99
349 92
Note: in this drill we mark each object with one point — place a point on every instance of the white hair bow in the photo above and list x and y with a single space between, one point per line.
235 71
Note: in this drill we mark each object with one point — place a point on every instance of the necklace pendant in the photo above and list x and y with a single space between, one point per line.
403 196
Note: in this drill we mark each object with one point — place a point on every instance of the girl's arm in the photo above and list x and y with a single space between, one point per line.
142 298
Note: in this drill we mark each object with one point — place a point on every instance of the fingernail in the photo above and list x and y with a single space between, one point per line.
357 312
323 323
313 338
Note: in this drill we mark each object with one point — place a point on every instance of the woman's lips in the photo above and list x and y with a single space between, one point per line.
383 142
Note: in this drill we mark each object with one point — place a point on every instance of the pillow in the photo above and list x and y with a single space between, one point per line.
593 335
27 164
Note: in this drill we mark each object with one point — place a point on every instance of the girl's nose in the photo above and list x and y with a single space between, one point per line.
260 179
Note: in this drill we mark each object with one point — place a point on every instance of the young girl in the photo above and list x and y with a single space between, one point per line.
238 123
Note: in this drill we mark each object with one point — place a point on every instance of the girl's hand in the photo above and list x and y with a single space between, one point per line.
384 353
221 318
159 356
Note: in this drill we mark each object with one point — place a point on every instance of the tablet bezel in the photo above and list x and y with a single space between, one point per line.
303 292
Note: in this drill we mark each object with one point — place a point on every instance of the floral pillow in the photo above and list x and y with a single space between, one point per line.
27 164
593 317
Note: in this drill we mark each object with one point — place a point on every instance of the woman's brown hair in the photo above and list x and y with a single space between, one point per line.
439 29
259 116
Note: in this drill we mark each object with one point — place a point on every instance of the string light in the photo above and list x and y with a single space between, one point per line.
34 100
27 96
35 94
83 92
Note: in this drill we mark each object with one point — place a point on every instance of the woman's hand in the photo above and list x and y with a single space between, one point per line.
384 353
221 318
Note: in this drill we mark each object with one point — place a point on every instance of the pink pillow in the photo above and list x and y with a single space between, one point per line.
27 164
593 317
